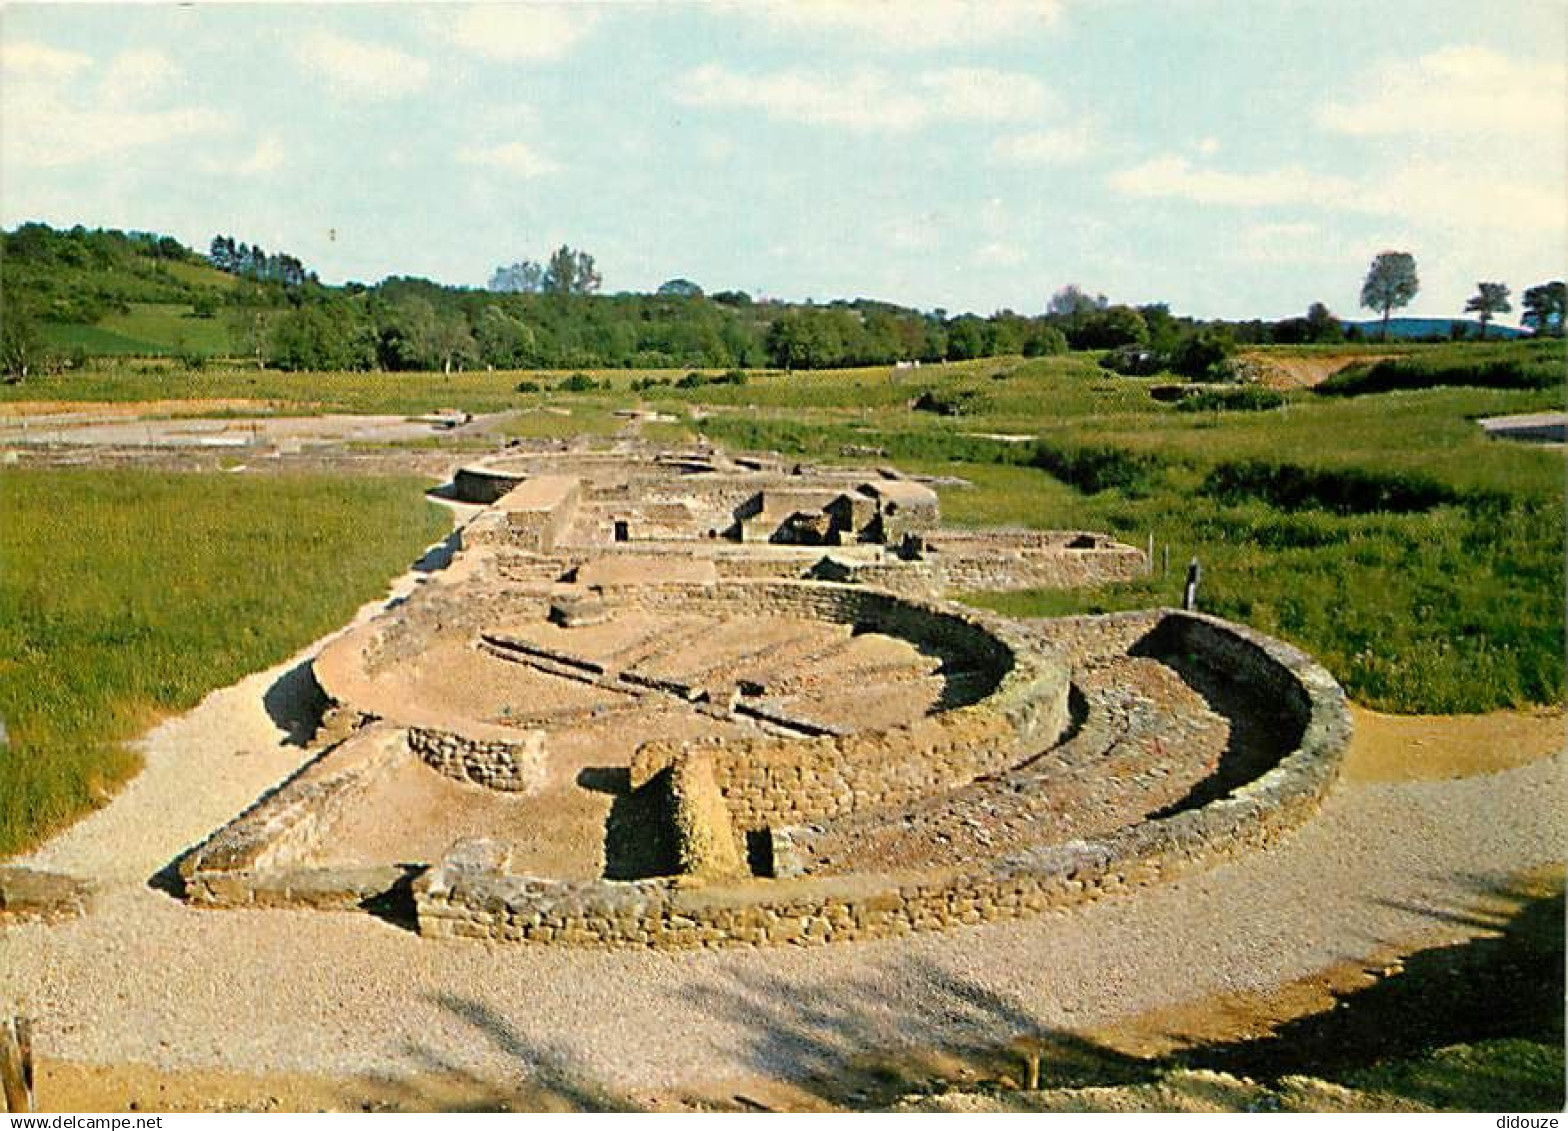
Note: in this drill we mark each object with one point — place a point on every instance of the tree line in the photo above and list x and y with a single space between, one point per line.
550 313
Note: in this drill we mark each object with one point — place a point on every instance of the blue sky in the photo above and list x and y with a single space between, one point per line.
1233 159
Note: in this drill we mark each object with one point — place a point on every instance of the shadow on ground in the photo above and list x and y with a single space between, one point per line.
1471 1026
295 703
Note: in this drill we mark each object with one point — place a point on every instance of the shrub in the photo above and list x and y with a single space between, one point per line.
1246 398
1045 341
954 402
579 383
527 387
1133 361
1201 353
1462 366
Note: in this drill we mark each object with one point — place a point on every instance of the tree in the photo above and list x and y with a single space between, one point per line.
503 341
571 273
1543 308
526 278
1491 298
1073 299
1391 282
680 288
1106 328
21 347
1323 325
1198 355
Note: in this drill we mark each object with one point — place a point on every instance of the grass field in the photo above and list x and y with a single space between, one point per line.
128 595
147 329
1383 532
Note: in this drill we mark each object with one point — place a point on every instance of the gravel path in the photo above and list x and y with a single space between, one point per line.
203 767
146 979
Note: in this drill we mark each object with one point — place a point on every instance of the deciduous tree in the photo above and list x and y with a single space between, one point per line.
1391 282
1490 299
1543 308
571 273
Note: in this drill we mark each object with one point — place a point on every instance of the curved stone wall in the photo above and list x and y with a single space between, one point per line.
457 901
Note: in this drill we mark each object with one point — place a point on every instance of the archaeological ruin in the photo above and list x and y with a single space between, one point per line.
692 699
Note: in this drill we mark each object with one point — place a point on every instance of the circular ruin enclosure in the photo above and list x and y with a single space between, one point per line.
807 700
678 747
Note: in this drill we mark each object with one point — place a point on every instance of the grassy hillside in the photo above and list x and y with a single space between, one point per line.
145 329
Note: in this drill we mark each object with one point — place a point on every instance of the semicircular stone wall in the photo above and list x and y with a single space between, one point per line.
471 895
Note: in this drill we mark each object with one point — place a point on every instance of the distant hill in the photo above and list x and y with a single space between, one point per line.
1432 328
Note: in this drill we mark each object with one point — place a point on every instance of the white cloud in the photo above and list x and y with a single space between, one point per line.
1289 243
1043 147
868 98
909 25
980 94
919 234
1170 175
136 76
40 61
48 138
998 254
1474 197
268 157
515 32
511 157
52 119
1456 92
362 70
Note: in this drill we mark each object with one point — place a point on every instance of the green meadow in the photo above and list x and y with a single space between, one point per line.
126 596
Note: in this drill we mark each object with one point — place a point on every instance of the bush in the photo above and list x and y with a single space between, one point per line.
1199 354
1045 341
580 383
1461 366
955 402
1247 398
1133 361
527 387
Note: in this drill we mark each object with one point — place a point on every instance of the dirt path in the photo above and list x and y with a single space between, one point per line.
145 992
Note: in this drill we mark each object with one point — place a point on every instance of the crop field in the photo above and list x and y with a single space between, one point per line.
127 596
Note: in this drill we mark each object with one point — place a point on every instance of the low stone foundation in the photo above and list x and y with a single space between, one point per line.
454 901
515 767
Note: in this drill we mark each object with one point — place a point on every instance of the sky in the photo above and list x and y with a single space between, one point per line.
1233 159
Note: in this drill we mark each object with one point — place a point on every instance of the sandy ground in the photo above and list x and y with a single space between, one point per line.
225 432
1304 372
61 412
149 987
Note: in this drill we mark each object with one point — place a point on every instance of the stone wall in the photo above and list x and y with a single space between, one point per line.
255 860
539 510
768 781
453 902
511 766
706 843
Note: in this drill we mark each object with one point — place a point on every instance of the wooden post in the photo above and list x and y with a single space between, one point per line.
1165 560
1148 558
16 1064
